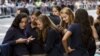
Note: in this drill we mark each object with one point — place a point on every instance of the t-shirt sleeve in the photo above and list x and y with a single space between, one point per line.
71 28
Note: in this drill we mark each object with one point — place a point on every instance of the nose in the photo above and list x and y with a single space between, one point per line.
24 24
64 19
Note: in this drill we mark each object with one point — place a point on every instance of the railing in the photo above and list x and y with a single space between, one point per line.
7 11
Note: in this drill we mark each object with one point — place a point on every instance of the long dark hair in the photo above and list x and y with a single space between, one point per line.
24 10
57 7
81 17
18 19
91 20
36 13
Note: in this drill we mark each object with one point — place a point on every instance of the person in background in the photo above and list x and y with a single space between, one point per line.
15 35
98 10
55 15
80 34
22 10
49 36
95 37
91 20
97 21
97 26
56 10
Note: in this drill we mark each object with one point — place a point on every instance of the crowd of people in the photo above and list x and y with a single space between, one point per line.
61 33
9 7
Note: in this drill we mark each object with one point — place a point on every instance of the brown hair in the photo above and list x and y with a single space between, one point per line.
47 23
91 20
36 13
98 18
57 7
98 10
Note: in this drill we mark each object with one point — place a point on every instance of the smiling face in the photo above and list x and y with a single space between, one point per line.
39 24
65 17
33 19
55 11
23 23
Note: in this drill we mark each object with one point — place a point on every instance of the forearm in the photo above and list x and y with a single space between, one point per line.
65 45
94 33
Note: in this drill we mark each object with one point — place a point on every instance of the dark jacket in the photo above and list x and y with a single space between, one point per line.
10 37
55 19
52 44
4 50
34 46
97 26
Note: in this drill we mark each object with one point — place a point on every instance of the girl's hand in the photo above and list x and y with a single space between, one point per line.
64 31
30 39
70 50
60 28
21 40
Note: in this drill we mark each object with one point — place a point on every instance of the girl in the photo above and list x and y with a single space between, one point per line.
91 20
32 24
34 46
55 15
80 34
67 19
97 26
49 36
15 35
98 10
56 10
95 35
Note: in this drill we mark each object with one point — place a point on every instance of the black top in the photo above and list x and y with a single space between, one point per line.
52 44
34 46
97 26
13 34
31 31
55 19
10 37
75 41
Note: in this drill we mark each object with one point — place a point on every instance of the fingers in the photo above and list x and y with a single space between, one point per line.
70 50
21 40
30 39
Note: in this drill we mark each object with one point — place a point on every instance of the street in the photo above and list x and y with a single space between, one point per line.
4 25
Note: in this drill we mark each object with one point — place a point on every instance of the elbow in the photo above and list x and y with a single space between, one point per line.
64 40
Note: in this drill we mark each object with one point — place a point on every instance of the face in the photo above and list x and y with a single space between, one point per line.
23 23
98 11
55 11
39 24
33 19
65 17
17 12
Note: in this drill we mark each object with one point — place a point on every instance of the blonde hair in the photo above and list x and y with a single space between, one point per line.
69 12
